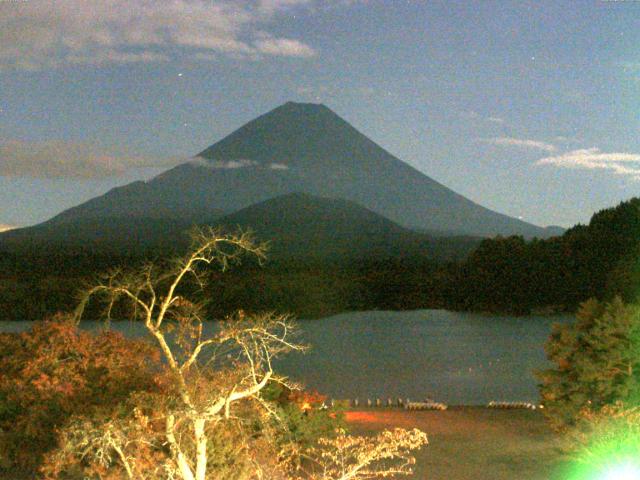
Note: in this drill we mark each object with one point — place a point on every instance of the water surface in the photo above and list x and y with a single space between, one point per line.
458 358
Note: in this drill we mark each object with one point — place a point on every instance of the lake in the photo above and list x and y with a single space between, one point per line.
457 358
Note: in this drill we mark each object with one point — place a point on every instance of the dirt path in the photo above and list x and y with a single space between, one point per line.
473 443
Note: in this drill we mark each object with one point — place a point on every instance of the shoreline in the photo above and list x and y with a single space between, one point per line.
474 443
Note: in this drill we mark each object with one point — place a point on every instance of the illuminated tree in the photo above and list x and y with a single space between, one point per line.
603 445
54 372
210 416
348 457
597 362
209 378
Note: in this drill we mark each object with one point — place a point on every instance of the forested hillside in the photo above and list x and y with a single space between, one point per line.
598 260
504 274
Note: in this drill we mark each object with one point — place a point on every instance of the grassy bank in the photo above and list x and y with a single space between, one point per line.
469 443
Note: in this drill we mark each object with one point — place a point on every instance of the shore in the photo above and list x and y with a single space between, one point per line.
473 443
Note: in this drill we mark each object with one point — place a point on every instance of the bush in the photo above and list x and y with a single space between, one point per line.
54 371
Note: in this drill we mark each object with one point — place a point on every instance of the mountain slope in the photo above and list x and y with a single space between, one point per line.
327 156
296 225
302 225
99 234
299 148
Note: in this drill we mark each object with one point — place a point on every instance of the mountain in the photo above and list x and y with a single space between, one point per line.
298 148
296 225
320 153
103 234
302 225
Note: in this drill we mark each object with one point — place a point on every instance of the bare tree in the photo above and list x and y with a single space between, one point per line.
241 351
214 383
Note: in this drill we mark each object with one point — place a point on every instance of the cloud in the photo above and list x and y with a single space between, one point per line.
284 47
495 119
45 33
114 56
205 56
6 228
627 164
523 143
223 164
278 166
234 164
473 115
57 159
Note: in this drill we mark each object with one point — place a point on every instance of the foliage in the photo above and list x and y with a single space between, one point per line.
615 428
385 455
134 445
304 414
494 272
597 362
306 288
213 414
598 260
55 371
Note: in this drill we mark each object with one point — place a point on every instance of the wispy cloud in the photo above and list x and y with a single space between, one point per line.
57 159
522 143
279 166
473 115
283 46
495 119
223 164
627 164
234 164
44 33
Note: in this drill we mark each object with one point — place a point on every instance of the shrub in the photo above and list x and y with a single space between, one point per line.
55 371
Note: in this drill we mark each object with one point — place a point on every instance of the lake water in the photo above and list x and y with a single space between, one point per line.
457 358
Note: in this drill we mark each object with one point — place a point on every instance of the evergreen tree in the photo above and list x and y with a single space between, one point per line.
597 362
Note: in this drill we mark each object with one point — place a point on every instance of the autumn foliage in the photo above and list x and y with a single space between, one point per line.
55 371
194 403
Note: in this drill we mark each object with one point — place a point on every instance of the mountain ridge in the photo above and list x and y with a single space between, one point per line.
296 225
299 147
303 225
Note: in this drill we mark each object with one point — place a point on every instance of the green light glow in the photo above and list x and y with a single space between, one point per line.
607 446
616 469
628 471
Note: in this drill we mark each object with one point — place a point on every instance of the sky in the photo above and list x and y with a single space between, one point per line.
529 108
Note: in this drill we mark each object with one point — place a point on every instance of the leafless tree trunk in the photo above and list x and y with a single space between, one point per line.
241 354
252 342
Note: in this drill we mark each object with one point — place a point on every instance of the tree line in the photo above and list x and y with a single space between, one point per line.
598 260
504 274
